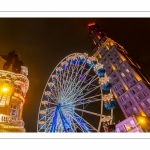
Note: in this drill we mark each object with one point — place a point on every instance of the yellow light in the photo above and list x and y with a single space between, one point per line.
5 89
19 96
137 76
122 57
113 67
128 128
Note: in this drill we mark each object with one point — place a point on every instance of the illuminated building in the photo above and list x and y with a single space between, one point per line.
130 85
13 88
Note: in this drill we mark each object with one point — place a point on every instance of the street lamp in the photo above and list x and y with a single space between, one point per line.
4 90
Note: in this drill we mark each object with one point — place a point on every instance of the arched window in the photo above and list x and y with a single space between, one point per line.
14 110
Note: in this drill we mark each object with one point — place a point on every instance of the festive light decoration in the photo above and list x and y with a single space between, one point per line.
69 88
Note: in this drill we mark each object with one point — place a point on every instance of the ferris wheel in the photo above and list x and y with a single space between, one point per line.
74 97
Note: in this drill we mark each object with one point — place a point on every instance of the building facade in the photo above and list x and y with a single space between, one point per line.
14 85
130 85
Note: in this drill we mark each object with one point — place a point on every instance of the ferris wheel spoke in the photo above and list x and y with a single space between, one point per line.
49 119
87 91
70 74
78 82
79 126
83 88
77 91
81 97
89 112
87 102
87 123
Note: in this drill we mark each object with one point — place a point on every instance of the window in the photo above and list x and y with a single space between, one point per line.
138 98
132 123
118 94
135 110
117 79
127 96
125 127
148 100
143 105
139 87
115 87
120 85
122 99
14 110
117 58
144 94
119 70
148 112
118 130
127 70
133 92
124 65
125 106
122 74
114 75
128 113
130 103
130 75
123 90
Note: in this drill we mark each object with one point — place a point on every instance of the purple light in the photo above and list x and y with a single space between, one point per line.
81 77
80 99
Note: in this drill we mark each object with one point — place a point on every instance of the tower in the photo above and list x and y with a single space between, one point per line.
14 85
130 85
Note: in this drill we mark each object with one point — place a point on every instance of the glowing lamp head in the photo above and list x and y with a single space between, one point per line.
141 120
5 89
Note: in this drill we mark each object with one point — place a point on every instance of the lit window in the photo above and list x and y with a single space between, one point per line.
118 130
14 110
139 87
135 110
143 105
125 127
148 100
148 112
122 74
127 70
132 123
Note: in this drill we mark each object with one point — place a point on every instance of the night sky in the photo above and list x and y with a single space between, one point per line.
44 42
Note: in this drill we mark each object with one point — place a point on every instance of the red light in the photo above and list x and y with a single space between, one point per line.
91 23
